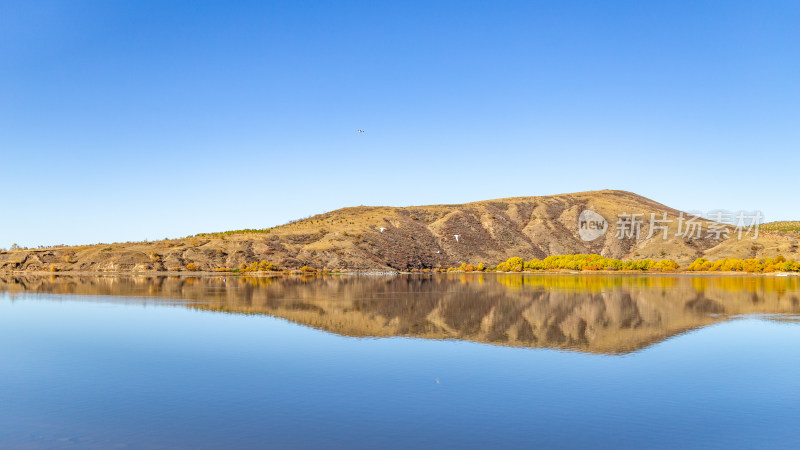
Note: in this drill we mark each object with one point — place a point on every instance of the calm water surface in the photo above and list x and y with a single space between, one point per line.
476 361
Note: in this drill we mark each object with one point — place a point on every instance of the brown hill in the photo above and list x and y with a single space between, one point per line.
389 238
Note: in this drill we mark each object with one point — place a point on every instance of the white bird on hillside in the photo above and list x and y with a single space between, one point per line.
383 229
456 236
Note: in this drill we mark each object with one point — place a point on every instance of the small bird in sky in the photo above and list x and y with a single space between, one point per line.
360 131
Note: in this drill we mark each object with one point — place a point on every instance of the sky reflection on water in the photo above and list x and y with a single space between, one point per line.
88 371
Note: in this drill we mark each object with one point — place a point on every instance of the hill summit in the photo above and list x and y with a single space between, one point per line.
434 236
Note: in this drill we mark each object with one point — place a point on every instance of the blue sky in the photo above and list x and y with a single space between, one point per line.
143 120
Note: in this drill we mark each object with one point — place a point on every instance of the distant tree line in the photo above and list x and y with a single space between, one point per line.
580 262
597 262
763 265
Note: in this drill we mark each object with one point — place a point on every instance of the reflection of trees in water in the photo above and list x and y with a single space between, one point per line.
597 313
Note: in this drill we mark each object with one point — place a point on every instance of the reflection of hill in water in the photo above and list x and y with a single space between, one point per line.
592 313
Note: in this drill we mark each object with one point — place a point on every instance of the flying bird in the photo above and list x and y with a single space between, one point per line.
360 131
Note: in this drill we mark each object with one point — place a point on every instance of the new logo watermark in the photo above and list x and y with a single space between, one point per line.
717 224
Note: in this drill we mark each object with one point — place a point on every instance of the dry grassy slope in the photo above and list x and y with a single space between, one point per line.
414 237
790 228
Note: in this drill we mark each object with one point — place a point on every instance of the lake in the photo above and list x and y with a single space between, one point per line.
441 361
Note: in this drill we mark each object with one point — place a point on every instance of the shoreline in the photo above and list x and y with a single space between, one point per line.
395 273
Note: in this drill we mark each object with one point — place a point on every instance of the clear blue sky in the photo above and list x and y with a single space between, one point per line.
142 120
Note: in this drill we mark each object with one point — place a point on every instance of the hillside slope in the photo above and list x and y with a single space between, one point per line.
415 237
